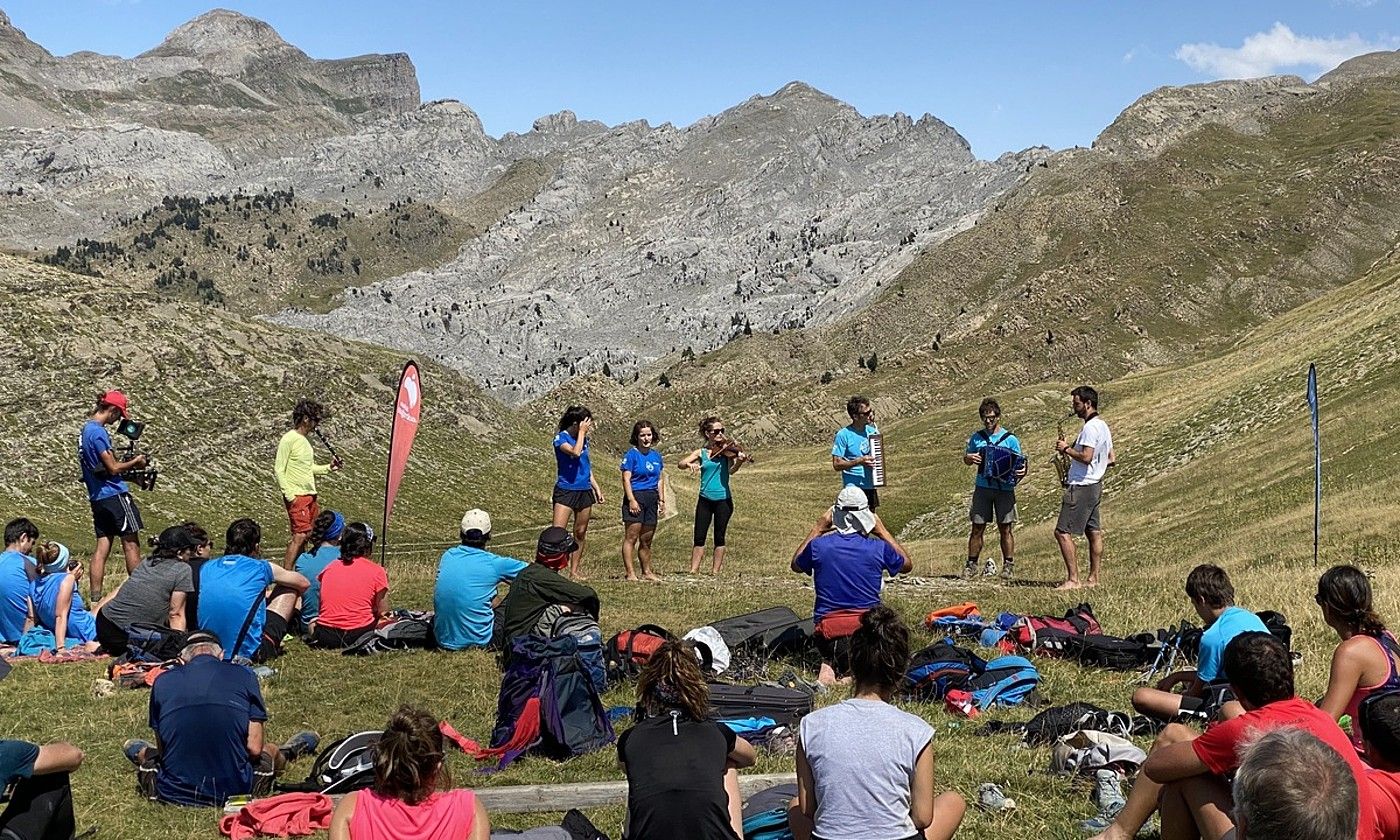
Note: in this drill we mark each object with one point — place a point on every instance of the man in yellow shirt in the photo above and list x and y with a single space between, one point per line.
296 471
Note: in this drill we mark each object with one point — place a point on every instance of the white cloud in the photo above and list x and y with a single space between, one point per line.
1267 53
1129 55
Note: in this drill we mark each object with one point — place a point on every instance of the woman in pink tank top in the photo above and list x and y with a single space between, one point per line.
1368 659
412 797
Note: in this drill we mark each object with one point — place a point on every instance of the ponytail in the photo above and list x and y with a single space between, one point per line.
324 520
357 541
409 757
1346 592
671 681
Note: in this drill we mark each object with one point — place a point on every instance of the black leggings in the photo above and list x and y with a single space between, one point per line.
40 809
720 510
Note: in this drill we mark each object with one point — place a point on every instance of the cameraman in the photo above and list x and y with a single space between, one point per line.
114 512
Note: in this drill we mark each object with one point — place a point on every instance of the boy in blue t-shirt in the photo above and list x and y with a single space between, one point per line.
467 580
850 451
20 537
993 499
1213 597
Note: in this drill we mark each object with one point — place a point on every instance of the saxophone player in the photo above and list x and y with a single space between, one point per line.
1089 458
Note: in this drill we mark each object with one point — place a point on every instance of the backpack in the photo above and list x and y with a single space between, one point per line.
628 651
153 643
1046 634
584 629
939 668
1277 624
547 703
1058 721
784 705
408 629
771 824
343 765
1007 681
1111 652
758 637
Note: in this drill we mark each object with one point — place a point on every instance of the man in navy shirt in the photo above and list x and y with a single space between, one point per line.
208 717
847 565
114 512
37 799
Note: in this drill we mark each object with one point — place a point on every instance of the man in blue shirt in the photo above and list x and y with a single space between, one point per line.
850 452
993 497
847 565
114 512
208 717
20 537
232 602
37 800
1213 597
465 593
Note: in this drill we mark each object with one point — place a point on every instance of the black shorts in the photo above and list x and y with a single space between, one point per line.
1207 706
116 516
835 652
575 500
335 639
274 628
650 503
112 638
872 497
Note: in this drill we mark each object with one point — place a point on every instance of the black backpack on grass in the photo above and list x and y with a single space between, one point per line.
1111 652
939 668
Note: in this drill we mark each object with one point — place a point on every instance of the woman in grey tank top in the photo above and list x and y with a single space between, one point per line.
865 768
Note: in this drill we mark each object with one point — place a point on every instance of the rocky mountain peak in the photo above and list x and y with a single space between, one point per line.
224 41
1365 66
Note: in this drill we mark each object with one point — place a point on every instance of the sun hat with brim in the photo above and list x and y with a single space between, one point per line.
851 514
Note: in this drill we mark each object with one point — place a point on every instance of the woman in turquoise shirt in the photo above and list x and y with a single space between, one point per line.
714 461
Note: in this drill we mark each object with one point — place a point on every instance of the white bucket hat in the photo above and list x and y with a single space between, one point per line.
851 514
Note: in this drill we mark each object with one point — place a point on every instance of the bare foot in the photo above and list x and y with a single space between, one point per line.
652 576
1091 583
695 570
631 577
578 576
1069 584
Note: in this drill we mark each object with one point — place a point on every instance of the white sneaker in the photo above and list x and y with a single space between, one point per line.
990 569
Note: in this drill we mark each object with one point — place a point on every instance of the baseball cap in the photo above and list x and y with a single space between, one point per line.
203 637
116 398
477 520
176 538
851 513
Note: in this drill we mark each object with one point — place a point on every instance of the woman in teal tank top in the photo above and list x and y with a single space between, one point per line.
714 462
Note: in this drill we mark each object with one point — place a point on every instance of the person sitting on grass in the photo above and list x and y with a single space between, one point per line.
36 797
15 562
682 768
1213 597
847 565
539 586
208 718
233 599
1378 721
325 549
1186 773
412 795
354 591
468 578
1292 785
58 607
1368 659
156 593
865 768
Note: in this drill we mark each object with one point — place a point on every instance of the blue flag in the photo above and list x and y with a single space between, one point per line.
1317 459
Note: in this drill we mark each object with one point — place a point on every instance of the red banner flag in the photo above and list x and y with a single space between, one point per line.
401 432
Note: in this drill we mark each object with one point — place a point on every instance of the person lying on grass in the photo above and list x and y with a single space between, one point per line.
412 795
1186 772
1213 597
682 768
865 768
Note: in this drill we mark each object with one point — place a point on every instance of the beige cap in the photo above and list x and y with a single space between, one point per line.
476 519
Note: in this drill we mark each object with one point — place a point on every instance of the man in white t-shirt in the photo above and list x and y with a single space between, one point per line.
1090 456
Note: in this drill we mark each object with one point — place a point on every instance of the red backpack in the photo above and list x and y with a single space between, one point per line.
628 651
1046 634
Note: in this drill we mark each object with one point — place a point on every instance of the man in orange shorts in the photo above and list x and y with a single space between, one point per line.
296 471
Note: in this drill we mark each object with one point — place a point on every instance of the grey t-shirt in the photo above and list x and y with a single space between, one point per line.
862 754
145 597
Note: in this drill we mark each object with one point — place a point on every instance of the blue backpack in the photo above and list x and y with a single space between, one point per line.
589 638
940 667
768 825
1005 681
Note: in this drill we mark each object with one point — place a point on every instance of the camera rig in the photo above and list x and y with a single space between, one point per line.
145 478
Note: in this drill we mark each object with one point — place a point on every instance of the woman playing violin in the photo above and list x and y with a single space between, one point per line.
718 456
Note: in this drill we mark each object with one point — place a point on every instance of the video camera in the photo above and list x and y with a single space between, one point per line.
145 478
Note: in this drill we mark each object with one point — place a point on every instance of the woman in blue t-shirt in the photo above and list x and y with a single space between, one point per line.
575 491
642 504
714 461
58 607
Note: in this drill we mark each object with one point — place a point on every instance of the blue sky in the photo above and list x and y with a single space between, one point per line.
1005 74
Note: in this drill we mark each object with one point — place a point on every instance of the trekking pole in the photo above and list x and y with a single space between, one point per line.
1156 663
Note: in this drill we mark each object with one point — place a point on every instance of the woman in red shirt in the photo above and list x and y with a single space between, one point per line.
354 591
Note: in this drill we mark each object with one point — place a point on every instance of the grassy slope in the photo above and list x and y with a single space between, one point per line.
1214 459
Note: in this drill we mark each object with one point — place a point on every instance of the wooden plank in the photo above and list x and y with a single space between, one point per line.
525 799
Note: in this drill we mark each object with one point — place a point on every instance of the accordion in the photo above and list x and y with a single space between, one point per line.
1001 463
877 451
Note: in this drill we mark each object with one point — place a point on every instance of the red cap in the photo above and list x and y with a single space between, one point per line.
116 398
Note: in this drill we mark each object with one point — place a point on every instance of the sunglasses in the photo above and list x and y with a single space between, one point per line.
718 431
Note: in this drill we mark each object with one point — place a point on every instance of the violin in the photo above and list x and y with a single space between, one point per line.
730 448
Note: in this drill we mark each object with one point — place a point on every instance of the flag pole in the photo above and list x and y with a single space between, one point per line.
1317 460
408 403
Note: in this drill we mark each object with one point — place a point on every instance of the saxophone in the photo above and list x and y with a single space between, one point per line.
1061 459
